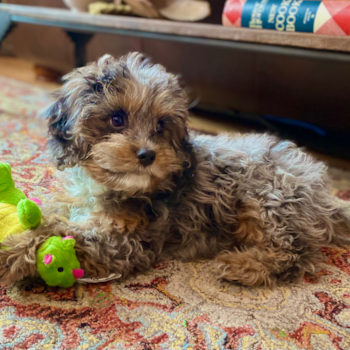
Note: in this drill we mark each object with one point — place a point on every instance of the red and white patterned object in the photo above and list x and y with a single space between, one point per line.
325 17
232 16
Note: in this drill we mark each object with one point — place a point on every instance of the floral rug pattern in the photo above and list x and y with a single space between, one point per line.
176 305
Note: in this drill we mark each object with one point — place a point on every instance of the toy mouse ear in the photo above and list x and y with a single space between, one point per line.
68 242
48 259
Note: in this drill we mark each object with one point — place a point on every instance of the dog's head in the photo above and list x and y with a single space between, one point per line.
124 121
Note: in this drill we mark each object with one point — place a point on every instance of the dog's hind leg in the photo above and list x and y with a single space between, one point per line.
263 266
251 267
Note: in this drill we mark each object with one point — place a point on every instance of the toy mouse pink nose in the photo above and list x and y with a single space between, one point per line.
78 273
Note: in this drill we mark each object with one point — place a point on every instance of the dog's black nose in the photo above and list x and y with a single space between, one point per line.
146 156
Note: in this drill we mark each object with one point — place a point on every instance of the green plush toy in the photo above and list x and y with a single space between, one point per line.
57 262
17 212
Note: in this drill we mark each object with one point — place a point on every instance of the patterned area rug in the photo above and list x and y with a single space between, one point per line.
176 305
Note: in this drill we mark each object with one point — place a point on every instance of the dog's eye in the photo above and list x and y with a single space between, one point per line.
98 87
160 126
118 119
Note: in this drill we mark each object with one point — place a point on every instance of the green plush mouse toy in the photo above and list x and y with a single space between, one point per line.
17 212
57 262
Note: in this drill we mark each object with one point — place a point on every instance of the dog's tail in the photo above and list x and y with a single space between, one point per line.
340 240
341 219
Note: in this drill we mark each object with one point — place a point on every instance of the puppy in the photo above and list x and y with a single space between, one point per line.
140 188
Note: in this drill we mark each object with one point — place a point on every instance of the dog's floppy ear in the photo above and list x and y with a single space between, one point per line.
62 143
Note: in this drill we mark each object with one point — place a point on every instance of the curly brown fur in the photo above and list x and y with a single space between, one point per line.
259 206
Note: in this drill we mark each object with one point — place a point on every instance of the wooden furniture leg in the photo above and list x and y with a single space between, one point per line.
5 24
80 40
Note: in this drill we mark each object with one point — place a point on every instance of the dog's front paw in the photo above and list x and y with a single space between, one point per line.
18 257
13 266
